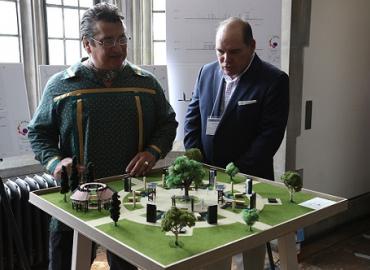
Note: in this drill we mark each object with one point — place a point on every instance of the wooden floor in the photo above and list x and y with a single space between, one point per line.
333 251
338 249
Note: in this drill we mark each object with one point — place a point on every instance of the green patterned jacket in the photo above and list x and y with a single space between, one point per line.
79 116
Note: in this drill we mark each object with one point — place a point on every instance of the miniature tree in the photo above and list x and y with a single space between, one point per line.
64 183
231 170
73 180
90 172
175 220
115 208
183 172
250 216
293 181
194 154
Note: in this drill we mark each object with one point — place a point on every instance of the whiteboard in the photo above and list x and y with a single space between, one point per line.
159 71
14 111
199 20
45 73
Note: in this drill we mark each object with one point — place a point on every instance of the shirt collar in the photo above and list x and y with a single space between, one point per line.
75 69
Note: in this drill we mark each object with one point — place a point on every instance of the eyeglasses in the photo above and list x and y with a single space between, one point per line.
109 43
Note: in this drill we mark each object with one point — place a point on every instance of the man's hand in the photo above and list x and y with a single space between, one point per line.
66 162
142 163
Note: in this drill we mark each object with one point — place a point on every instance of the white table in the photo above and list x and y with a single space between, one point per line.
217 258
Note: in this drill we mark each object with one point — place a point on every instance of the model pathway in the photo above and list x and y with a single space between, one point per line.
163 202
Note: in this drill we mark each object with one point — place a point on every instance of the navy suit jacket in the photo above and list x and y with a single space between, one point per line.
253 124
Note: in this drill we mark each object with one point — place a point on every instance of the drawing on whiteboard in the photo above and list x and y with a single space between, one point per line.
274 42
211 16
184 97
14 111
22 128
160 72
200 21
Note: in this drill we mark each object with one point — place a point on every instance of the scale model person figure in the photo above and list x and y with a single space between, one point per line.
104 110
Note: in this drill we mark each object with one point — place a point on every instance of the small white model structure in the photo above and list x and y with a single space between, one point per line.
91 196
152 191
212 177
220 193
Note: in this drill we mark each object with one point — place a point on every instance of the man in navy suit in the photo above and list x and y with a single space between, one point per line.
240 105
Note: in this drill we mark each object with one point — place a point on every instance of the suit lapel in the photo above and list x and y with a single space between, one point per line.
246 81
217 93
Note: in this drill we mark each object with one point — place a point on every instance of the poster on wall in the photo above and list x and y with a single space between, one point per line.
199 20
14 111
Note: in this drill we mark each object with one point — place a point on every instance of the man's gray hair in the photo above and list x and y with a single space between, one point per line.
100 12
247 29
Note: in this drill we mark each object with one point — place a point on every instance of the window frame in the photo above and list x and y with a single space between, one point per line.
19 30
64 38
156 41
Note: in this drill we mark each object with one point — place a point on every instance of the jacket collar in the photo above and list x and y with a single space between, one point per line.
244 84
75 70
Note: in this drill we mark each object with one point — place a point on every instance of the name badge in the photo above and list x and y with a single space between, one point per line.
212 124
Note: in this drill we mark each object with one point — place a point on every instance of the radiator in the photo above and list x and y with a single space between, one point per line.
32 223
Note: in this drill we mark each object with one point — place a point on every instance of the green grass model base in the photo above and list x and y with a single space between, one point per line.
148 238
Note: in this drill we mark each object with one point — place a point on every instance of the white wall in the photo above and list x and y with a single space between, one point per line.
335 153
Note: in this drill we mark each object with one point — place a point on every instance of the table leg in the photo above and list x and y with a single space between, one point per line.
254 259
81 252
288 252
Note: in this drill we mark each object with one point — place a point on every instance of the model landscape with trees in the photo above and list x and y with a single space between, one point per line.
186 173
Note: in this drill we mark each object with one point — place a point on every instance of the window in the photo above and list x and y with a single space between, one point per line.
63 34
9 32
159 32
